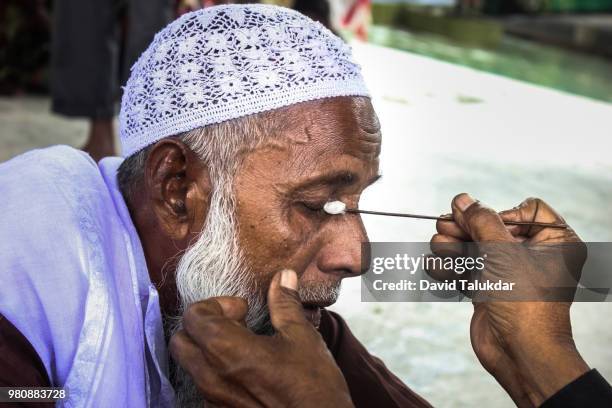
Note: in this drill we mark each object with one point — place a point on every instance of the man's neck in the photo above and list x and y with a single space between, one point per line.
161 255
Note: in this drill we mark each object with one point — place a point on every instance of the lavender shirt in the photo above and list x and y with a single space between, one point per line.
75 281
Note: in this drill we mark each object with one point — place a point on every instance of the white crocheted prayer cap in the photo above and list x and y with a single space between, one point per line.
224 62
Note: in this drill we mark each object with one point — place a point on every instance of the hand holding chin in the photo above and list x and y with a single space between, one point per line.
232 366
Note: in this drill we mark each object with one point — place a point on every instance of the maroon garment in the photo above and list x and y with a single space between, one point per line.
371 384
20 366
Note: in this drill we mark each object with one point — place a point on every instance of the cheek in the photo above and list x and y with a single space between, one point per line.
272 232
274 236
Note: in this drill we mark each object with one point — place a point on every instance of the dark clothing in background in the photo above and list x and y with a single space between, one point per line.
24 46
91 54
318 10
371 384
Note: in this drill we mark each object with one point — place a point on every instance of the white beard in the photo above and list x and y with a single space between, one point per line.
214 266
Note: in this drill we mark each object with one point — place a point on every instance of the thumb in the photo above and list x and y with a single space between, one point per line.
284 301
479 221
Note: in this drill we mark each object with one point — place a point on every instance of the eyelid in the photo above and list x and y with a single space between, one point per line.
314 206
314 213
317 205
311 196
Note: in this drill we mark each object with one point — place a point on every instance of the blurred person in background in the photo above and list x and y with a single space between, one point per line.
94 44
24 46
318 10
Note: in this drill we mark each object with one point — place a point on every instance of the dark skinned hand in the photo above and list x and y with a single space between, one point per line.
233 367
526 345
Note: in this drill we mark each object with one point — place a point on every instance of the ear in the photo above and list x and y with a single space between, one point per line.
178 185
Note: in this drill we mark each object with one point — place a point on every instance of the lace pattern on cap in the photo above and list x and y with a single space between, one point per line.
225 62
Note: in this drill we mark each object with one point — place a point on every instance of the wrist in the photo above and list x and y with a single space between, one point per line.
547 364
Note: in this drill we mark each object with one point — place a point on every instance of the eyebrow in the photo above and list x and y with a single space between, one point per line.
337 179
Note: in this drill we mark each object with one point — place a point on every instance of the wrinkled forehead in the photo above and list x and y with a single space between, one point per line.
328 142
335 127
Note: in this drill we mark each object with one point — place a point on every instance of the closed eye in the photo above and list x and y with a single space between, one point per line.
312 206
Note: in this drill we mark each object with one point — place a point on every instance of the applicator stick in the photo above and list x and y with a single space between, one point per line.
431 217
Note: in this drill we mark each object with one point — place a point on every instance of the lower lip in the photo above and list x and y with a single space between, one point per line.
313 314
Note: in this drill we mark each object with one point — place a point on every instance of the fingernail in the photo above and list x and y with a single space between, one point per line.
289 279
463 201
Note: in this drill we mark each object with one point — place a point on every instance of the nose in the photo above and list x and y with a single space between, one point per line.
345 247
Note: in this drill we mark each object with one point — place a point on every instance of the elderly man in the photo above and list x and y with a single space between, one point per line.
238 124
